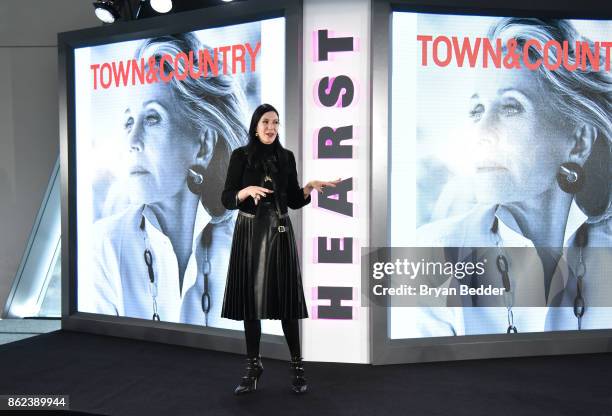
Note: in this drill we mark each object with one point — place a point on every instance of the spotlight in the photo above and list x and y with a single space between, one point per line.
106 10
161 6
226 1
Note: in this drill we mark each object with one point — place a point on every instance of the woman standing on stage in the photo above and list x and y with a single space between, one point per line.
263 279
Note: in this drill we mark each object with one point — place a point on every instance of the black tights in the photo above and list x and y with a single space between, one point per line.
291 329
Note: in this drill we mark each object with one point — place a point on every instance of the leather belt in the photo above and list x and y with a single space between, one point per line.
249 215
280 228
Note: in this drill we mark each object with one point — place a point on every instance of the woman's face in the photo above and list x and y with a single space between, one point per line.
517 139
267 128
160 145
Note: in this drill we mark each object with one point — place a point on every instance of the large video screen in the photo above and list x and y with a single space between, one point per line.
501 144
156 122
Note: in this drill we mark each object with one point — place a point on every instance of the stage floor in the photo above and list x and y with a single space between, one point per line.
115 376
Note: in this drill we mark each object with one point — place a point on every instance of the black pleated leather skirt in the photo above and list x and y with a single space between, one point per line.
263 279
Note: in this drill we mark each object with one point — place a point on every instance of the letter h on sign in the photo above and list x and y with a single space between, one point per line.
335 310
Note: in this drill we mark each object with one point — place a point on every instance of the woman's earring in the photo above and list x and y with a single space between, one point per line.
570 177
195 179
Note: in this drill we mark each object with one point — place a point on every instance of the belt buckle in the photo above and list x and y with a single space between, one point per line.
281 228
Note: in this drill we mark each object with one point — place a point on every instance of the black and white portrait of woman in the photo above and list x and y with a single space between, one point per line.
520 157
160 238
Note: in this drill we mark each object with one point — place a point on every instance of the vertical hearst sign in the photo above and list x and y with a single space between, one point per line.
335 145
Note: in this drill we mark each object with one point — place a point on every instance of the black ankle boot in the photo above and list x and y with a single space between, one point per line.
254 369
298 382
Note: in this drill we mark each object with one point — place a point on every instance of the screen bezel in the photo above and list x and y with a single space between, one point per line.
384 350
228 14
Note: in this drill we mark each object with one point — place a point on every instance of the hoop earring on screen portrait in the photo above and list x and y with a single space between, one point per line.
203 185
570 177
195 179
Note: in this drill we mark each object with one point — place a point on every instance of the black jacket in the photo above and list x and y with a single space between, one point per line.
241 174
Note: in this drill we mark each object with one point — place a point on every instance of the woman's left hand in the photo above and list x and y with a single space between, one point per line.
320 185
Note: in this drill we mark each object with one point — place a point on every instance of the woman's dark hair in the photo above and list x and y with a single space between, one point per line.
254 146
257 114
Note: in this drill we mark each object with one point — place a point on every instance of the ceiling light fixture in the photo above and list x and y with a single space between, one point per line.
161 6
110 11
107 10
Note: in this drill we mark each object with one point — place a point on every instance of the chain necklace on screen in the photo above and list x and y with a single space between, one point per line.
579 303
502 267
579 306
205 267
148 259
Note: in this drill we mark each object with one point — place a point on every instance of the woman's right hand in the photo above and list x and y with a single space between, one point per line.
255 192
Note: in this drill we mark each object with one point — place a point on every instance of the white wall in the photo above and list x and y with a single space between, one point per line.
29 141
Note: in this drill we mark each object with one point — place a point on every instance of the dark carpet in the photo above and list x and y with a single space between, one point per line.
114 376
